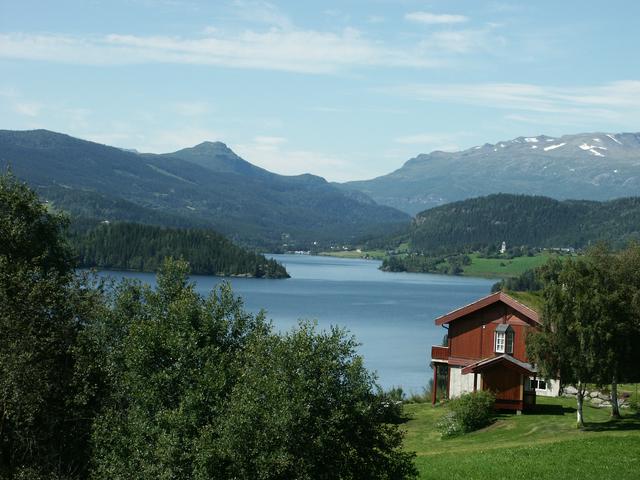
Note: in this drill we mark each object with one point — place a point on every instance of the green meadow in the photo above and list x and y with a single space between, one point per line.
500 267
544 444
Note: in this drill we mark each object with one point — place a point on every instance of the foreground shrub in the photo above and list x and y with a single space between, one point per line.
199 389
467 413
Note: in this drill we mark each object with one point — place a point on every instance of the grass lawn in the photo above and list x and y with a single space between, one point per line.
540 445
498 267
530 299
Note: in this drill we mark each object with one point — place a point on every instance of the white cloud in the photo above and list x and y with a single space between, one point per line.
191 109
435 18
307 51
464 41
74 118
611 101
172 140
375 19
27 109
273 154
269 142
437 141
259 11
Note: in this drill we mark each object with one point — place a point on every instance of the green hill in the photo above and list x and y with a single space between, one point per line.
130 246
523 220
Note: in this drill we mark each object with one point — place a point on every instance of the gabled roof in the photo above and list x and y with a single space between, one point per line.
485 302
508 360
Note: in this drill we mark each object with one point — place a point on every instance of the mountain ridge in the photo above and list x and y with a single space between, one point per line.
592 166
207 186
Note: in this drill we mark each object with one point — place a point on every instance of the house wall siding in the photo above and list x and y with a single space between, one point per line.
459 383
473 337
552 390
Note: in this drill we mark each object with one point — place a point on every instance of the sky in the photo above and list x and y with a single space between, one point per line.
346 89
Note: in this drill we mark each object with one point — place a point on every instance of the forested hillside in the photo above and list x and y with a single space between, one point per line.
130 246
204 186
523 220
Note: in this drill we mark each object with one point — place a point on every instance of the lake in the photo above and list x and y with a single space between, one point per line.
390 314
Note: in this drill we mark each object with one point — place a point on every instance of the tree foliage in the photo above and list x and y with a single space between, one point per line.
171 358
444 264
306 408
132 246
524 220
590 321
43 429
201 389
125 381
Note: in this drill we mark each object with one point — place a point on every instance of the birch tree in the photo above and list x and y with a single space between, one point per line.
565 347
591 321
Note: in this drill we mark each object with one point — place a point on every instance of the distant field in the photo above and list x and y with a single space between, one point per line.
498 267
372 254
480 267
541 445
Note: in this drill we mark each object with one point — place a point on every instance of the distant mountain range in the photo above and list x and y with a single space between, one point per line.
205 186
524 220
592 166
209 186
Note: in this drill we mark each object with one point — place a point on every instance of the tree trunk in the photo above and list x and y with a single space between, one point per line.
615 408
580 400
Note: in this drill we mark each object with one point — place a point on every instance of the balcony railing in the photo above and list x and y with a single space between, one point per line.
439 353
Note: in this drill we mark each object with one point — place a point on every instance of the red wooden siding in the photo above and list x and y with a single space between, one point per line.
473 336
503 382
439 353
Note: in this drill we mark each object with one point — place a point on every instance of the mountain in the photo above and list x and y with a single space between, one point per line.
593 166
218 157
524 220
207 186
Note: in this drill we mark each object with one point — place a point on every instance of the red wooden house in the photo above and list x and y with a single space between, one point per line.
486 350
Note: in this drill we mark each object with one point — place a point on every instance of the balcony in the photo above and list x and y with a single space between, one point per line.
439 353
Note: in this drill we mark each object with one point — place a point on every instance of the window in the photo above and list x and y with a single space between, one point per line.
509 341
500 341
538 384
504 339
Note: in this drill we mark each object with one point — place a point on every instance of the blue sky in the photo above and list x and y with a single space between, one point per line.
343 89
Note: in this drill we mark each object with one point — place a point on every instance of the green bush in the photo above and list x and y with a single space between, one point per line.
467 413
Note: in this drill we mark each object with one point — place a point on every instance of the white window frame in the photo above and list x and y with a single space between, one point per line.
500 342
535 384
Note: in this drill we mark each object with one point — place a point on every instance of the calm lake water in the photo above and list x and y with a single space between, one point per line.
390 314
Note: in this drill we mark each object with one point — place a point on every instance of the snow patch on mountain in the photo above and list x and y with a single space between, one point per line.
531 140
553 147
592 149
614 139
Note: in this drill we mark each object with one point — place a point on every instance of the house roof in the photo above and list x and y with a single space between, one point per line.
508 360
485 302
503 328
